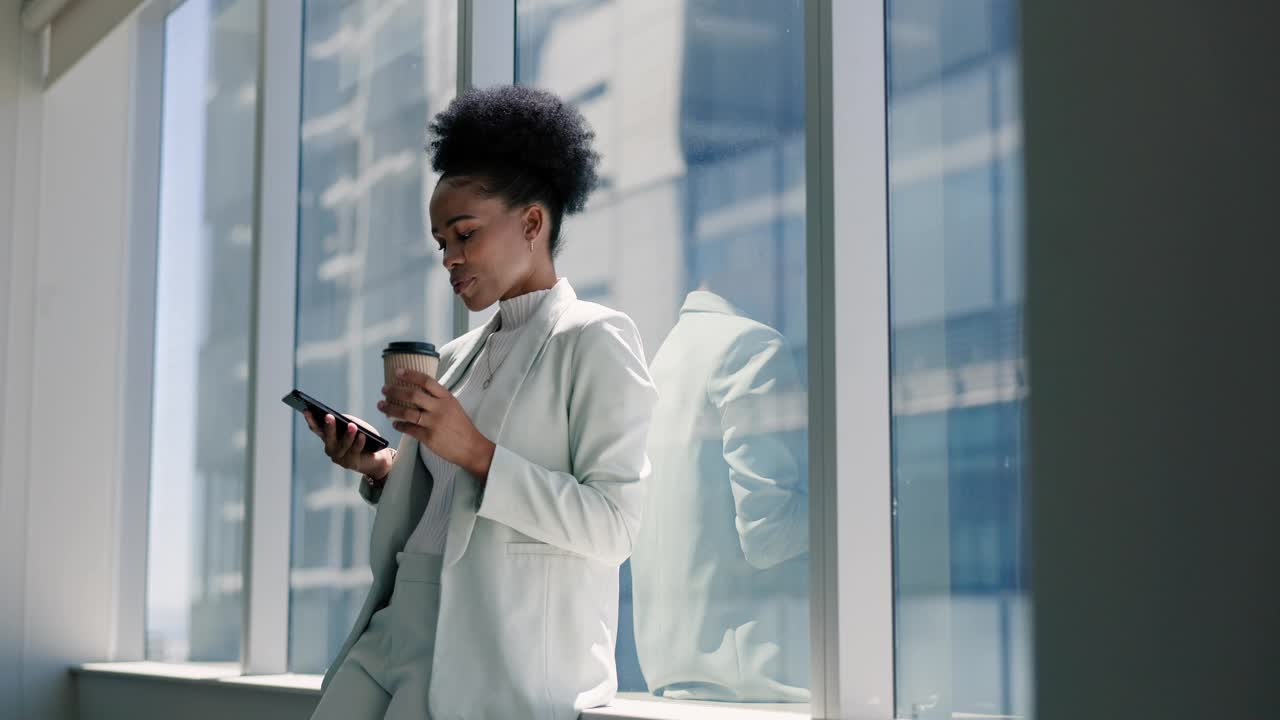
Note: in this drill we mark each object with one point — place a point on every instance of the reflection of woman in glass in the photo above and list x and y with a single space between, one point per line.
516 490
720 568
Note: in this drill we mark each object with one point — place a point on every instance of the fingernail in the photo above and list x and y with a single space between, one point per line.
399 372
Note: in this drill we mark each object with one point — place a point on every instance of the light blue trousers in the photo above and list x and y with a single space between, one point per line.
388 672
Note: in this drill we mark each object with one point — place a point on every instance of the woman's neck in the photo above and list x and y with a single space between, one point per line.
544 278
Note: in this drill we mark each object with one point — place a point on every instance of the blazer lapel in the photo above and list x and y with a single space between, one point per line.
404 498
496 406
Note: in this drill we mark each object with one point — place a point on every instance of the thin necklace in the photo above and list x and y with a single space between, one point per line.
488 361
488 351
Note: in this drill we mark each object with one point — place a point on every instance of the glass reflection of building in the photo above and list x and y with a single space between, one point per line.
959 384
373 73
221 406
699 113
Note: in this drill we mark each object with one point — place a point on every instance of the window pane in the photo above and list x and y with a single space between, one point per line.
698 233
200 401
959 384
373 73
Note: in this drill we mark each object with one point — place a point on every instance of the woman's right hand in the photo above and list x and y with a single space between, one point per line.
345 446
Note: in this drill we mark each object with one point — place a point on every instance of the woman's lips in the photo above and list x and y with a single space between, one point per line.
461 286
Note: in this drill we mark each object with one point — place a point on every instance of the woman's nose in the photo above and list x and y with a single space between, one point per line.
452 256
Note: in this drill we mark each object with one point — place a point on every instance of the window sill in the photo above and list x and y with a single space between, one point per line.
640 706
210 674
627 706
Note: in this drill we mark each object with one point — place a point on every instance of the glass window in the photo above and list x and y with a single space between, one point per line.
200 400
373 73
698 233
958 375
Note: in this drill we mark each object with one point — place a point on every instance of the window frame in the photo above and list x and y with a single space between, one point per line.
128 612
851 583
850 452
269 505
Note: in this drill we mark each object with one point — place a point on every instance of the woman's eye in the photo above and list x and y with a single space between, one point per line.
462 237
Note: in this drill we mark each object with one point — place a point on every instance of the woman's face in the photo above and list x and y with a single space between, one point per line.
488 248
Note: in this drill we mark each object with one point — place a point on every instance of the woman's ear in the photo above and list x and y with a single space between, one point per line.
531 224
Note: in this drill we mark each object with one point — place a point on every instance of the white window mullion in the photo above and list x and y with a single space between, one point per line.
267 494
129 598
850 484
487 43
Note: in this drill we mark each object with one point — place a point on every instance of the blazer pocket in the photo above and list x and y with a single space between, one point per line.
537 548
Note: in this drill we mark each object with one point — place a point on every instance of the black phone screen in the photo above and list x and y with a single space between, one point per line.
303 402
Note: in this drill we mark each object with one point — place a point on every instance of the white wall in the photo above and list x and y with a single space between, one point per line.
10 79
63 374
20 101
1152 166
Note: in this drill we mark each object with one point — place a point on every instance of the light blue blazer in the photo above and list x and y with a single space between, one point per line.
529 589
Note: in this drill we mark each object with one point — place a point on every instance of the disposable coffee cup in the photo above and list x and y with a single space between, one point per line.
420 356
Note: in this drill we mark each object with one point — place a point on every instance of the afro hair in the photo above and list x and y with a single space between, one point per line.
526 144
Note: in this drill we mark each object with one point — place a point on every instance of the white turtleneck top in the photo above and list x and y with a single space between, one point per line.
513 315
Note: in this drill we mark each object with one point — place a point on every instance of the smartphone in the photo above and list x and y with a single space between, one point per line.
302 402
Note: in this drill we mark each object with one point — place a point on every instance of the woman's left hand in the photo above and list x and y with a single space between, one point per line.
435 418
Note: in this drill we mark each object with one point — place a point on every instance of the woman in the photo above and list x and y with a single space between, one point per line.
516 490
